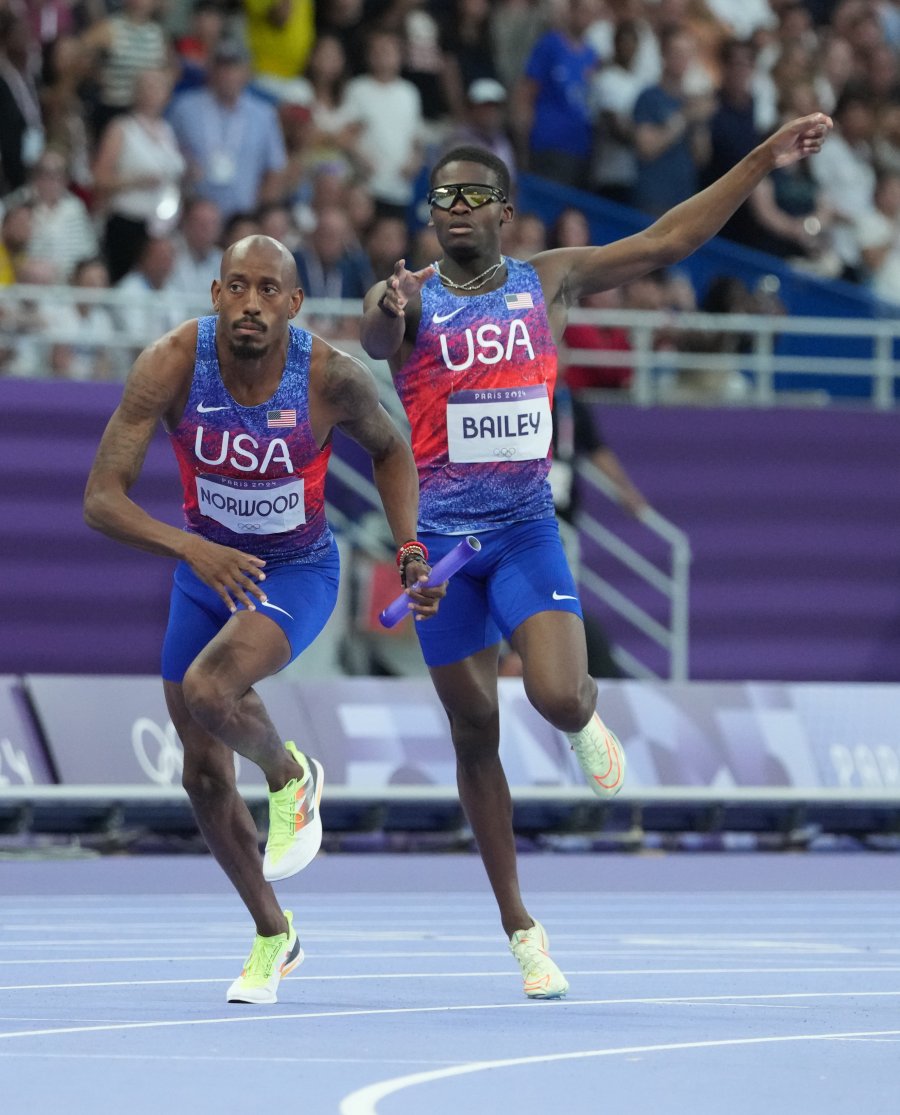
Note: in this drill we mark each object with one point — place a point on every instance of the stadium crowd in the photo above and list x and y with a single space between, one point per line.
139 138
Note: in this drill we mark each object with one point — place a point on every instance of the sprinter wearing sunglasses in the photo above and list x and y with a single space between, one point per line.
471 343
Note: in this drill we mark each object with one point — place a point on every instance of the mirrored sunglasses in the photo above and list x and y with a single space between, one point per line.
473 194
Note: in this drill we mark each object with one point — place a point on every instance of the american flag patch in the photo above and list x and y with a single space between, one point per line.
522 301
281 419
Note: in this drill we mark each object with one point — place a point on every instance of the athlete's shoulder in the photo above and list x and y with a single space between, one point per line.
174 353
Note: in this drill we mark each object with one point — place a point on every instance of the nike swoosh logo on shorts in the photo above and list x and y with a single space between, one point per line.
562 596
266 604
439 319
203 409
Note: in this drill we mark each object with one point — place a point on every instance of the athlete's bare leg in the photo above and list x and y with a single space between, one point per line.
554 668
216 713
218 693
468 692
222 815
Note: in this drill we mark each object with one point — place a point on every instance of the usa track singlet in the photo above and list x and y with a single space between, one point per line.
478 390
253 477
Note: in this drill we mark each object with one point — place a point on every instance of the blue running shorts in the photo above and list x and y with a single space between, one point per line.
301 597
520 570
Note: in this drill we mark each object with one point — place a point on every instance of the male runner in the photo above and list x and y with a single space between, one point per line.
250 402
471 342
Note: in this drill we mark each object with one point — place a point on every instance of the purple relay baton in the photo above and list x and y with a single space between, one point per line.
449 564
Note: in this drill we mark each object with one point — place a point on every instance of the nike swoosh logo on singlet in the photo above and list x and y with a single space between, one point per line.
561 596
203 409
439 319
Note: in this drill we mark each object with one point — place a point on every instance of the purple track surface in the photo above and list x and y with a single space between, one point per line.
700 984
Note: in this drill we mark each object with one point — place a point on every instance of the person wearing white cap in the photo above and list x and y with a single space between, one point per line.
485 123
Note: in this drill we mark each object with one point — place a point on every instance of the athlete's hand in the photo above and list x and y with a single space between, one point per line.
403 285
424 601
233 574
799 138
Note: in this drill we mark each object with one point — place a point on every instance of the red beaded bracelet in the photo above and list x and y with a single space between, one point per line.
409 548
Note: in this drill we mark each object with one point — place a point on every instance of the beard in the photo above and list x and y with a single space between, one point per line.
246 348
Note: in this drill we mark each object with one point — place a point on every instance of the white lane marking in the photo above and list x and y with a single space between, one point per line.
505 973
373 1012
364 1101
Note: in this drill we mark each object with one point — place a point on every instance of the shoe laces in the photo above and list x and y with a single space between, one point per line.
263 955
526 944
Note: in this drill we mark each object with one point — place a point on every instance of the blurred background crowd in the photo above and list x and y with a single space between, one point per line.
139 138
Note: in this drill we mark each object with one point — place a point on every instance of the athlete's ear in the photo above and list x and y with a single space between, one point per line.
214 293
296 301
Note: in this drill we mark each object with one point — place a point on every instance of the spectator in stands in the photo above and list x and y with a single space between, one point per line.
344 20
424 56
836 70
671 130
846 177
231 138
335 129
332 265
732 129
484 122
276 219
386 241
120 46
238 226
21 123
792 218
25 322
390 110
886 142
280 35
143 318
15 235
61 228
65 113
524 237
87 353
637 14
197 250
196 46
878 232
727 294
425 247
468 54
570 229
138 174
550 113
516 25
614 90
594 338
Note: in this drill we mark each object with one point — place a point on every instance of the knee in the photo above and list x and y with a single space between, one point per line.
206 700
567 708
476 735
205 779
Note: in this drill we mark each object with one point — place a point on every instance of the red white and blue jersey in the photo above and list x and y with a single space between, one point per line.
253 477
478 391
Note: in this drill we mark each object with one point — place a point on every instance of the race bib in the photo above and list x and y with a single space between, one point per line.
252 506
500 424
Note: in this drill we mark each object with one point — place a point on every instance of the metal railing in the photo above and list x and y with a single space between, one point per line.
672 582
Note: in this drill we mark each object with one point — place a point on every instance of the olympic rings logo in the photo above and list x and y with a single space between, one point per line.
507 451
159 752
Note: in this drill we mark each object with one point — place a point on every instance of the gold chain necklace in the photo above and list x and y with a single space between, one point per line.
473 284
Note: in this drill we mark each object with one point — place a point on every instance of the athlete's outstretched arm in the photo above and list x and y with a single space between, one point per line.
567 274
385 321
155 387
